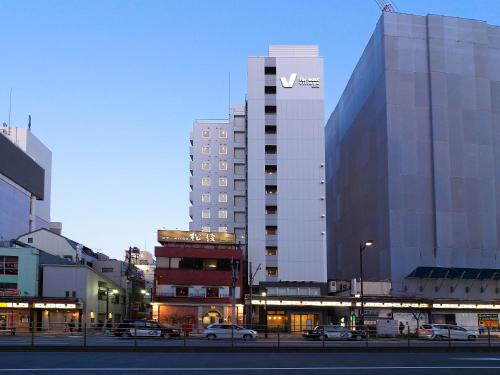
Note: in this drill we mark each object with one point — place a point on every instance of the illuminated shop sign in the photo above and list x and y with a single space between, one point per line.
466 306
54 306
195 236
14 305
400 305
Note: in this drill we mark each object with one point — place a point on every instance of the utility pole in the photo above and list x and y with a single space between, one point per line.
235 265
252 278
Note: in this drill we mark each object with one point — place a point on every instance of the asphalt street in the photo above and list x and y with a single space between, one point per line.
248 363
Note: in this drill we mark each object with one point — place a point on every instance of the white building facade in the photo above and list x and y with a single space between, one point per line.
285 171
218 175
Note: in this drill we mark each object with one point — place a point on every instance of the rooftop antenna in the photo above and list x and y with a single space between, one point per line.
229 98
29 122
386 6
10 106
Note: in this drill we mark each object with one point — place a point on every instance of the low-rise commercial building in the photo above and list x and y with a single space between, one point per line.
197 274
103 300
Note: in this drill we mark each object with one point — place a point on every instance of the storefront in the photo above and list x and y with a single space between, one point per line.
43 314
198 316
14 315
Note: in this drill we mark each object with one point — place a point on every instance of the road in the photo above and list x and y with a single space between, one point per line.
283 341
248 363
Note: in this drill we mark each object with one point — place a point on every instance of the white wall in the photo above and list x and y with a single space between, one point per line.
50 243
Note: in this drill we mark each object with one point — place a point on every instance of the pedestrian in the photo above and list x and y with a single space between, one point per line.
71 325
401 328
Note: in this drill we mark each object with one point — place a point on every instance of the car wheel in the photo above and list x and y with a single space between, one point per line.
359 337
439 338
471 337
247 337
126 335
166 336
211 336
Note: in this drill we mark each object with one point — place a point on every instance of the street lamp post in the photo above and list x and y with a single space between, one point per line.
264 294
113 291
362 246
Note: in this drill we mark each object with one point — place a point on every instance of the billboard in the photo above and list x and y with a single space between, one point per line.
195 237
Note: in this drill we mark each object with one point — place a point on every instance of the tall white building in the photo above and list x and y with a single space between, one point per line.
24 185
218 174
270 158
31 145
285 170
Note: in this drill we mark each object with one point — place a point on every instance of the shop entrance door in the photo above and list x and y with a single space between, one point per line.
301 322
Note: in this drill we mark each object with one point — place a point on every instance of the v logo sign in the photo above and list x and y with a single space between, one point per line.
288 83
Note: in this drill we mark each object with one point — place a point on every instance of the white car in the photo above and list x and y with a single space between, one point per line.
441 331
329 332
227 331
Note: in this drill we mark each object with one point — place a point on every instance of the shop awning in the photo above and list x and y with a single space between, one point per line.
455 273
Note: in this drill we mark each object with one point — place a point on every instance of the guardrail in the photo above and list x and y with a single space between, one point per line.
329 337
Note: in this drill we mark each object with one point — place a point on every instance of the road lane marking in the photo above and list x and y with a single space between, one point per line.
235 369
476 359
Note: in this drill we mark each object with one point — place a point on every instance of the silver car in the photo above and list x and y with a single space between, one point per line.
228 331
441 331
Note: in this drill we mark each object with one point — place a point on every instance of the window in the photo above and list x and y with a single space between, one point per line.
205 228
8 265
205 133
73 294
205 150
223 149
174 262
205 181
270 129
107 269
270 89
223 214
222 197
6 286
271 230
205 165
269 70
222 181
205 214
209 264
271 210
212 292
223 165
181 291
223 229
271 189
205 198
271 251
271 149
271 169
222 133
30 239
272 271
67 293
270 109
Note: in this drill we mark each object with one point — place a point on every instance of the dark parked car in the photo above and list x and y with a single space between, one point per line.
144 328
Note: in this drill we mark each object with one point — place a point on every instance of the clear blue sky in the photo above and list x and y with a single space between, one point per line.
114 86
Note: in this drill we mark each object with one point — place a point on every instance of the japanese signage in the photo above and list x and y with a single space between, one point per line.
195 236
